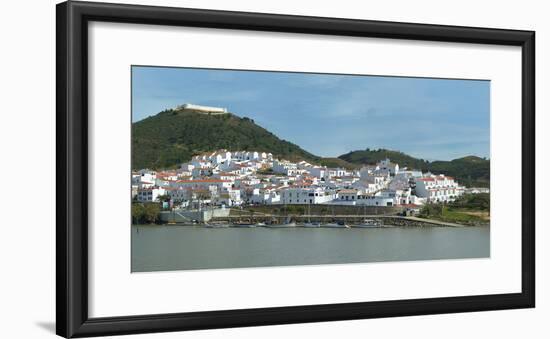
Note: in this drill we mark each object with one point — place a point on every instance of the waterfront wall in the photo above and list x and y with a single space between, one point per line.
185 216
404 222
320 209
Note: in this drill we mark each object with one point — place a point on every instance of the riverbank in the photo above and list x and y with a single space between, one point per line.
467 210
462 217
315 221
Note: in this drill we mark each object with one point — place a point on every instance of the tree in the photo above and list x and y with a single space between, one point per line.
480 201
138 211
152 213
434 210
145 213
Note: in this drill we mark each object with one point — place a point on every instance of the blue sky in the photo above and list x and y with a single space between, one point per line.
329 115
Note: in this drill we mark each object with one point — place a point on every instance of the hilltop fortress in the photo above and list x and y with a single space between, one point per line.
202 109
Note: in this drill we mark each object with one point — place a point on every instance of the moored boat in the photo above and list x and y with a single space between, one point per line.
339 224
369 223
243 225
207 225
286 225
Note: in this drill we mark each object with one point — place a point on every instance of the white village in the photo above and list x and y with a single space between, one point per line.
224 178
213 183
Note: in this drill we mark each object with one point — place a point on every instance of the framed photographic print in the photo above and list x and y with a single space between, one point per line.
242 169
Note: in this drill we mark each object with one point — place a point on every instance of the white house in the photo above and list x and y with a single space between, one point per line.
386 164
476 190
304 165
226 176
202 109
366 187
438 188
311 195
349 195
337 172
229 197
367 171
144 178
355 198
266 196
377 199
150 194
409 174
280 180
318 171
285 167
202 183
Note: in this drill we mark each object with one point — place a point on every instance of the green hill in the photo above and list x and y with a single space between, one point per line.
369 156
470 171
337 162
172 137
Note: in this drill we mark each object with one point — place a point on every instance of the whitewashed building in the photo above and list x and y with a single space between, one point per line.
367 171
438 188
386 164
266 197
338 172
202 109
285 167
150 194
311 195
318 171
203 183
348 195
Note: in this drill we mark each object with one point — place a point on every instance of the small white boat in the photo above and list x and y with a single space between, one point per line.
243 225
260 224
369 223
312 224
287 225
216 225
335 225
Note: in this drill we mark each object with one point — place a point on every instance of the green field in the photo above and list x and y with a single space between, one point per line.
470 209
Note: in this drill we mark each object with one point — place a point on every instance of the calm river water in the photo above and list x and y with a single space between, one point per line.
166 248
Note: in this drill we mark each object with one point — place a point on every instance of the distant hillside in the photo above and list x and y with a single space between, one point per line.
369 156
337 162
172 137
469 171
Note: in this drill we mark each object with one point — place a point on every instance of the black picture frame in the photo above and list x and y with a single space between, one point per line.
72 319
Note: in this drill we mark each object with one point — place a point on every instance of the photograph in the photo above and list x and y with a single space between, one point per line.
255 168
